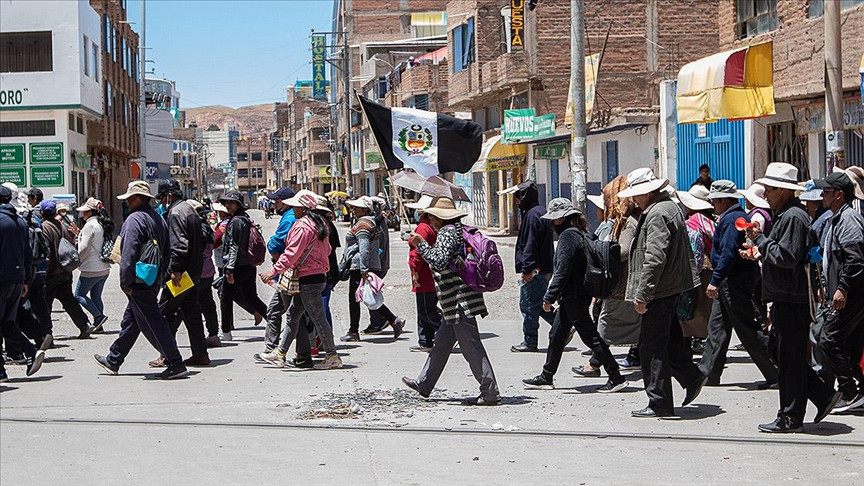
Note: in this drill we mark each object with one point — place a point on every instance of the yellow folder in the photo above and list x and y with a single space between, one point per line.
185 284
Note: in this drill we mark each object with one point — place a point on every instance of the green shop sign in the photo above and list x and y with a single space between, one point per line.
523 125
46 176
12 154
553 151
15 175
46 153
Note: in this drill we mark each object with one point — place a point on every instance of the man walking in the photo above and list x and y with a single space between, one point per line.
16 271
276 246
662 268
732 285
58 281
142 229
534 252
842 336
784 283
186 255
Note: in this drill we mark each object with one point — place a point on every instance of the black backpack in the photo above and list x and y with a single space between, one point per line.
39 247
603 269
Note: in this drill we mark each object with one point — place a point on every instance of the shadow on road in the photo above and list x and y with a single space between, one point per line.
34 379
58 359
4 388
828 429
699 411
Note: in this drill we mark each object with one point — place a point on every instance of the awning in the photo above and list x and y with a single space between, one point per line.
497 156
734 85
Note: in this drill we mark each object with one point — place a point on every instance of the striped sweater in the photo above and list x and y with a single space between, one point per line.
453 293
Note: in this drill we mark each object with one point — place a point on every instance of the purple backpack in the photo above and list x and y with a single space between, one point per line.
482 268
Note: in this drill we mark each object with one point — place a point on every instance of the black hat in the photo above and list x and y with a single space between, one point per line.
235 196
282 194
36 192
5 194
837 180
168 186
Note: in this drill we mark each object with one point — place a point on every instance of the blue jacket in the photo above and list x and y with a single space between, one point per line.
276 244
133 234
16 265
727 241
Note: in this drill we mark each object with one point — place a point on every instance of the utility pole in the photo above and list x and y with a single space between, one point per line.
346 79
578 134
142 109
835 149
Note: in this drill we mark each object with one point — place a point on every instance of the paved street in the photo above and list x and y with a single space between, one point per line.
239 422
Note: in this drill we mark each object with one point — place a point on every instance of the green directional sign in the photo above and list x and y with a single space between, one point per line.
50 176
12 154
14 175
46 153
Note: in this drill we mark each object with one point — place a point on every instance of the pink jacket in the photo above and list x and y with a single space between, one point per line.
302 234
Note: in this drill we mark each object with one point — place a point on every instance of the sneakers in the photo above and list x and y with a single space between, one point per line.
157 363
34 363
300 364
200 360
583 370
174 372
523 348
214 342
375 329
414 386
86 332
257 356
610 387
420 349
783 425
274 357
649 412
314 352
626 364
844 405
398 327
539 382
351 337
15 360
226 336
482 402
47 342
823 412
99 323
103 362
331 362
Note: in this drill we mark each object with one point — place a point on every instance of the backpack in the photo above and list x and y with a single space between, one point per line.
39 246
256 252
482 268
603 266
149 257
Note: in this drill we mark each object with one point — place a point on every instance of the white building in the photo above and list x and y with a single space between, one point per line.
50 86
221 146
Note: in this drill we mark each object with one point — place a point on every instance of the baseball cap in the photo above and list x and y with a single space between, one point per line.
48 208
281 194
836 180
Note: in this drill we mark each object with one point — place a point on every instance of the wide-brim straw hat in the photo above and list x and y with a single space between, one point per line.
755 195
219 207
692 202
642 181
136 188
780 175
444 208
362 202
421 204
597 201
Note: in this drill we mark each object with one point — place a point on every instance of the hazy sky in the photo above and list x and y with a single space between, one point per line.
233 53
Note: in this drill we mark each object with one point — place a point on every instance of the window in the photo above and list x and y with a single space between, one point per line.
123 53
95 53
36 128
785 145
176 146
242 157
108 97
756 17
610 160
420 102
113 44
185 160
256 156
106 29
817 7
244 173
463 45
79 125
26 52
71 122
124 115
85 56
427 24
257 172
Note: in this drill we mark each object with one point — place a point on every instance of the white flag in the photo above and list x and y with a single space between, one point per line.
415 139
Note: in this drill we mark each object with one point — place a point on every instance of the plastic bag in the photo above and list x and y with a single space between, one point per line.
371 292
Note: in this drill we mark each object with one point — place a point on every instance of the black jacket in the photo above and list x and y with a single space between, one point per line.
570 265
534 245
185 239
16 265
784 256
333 273
235 242
845 245
133 234
725 259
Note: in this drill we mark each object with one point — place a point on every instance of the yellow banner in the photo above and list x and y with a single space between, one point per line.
592 62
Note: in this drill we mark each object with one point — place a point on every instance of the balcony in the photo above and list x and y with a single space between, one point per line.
465 85
512 70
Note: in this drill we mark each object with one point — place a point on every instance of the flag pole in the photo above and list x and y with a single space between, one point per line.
389 173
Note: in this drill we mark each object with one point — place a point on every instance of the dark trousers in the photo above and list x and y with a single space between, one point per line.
10 295
185 307
208 306
531 306
429 317
379 317
239 299
244 282
34 317
798 381
840 337
142 316
570 314
663 354
59 286
733 310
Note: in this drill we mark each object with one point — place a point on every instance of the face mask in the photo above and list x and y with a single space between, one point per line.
559 228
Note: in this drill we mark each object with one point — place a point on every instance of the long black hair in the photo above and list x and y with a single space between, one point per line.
321 227
104 220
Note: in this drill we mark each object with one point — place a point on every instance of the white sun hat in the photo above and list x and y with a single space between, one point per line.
642 181
755 195
780 175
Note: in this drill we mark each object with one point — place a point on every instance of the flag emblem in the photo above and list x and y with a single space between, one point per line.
415 140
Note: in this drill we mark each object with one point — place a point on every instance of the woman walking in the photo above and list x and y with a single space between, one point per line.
307 249
94 270
461 306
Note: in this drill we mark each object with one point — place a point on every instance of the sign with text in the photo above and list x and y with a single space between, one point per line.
810 118
522 125
544 126
319 77
15 175
517 24
553 151
50 176
12 154
46 153
152 172
592 62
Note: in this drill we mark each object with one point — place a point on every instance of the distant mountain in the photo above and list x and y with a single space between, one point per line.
250 120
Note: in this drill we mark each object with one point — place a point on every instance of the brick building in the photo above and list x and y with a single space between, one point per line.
304 127
796 133
254 159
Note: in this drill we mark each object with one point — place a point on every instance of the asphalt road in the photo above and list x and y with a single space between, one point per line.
238 422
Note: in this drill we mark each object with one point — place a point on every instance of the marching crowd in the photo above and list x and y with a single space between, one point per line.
666 272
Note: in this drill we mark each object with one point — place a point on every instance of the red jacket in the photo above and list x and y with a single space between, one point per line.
421 274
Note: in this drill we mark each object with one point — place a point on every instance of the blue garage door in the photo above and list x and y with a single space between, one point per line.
720 145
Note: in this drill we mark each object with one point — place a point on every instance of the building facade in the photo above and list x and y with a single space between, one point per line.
220 145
